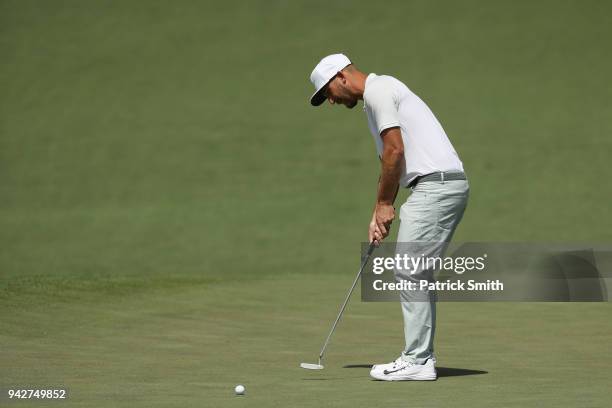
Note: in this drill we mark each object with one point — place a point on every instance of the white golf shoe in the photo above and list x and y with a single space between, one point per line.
389 366
401 370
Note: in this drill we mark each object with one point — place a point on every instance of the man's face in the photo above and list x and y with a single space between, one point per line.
337 92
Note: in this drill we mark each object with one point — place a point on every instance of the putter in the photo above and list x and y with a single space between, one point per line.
364 261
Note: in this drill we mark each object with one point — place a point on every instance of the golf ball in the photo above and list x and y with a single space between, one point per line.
239 390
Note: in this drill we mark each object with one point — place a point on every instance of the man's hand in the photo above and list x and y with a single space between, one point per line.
374 234
385 213
381 223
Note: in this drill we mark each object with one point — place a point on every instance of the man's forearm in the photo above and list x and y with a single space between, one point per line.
391 171
377 190
392 160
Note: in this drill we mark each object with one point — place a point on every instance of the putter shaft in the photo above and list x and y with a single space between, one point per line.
364 262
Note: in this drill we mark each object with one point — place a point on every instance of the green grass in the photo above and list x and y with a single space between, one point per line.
190 347
176 219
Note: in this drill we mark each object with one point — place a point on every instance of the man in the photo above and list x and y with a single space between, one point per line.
416 153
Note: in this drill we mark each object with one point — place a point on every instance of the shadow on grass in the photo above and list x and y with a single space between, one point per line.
442 371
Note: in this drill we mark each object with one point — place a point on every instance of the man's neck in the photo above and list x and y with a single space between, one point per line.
360 81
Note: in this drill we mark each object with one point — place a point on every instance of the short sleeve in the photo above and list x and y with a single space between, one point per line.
381 102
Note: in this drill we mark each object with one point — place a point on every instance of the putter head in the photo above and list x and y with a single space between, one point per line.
309 366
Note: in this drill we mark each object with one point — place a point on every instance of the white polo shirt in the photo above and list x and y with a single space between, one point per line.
389 103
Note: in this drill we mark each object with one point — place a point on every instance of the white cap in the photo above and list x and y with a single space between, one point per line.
325 70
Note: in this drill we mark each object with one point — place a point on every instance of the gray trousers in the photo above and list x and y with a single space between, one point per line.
428 220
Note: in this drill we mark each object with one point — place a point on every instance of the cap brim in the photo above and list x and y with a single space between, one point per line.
318 98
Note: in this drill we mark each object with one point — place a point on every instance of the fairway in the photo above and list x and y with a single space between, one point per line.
176 219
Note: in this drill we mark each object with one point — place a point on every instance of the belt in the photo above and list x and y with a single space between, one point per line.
438 176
